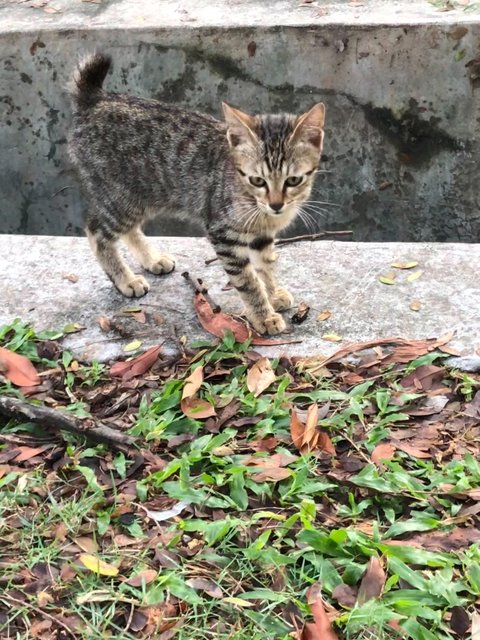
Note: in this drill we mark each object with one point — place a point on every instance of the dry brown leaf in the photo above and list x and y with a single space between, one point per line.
297 429
324 443
407 350
384 451
71 277
86 544
301 313
202 584
345 595
404 265
137 366
415 305
193 383
144 577
310 434
475 626
37 629
260 376
140 317
324 315
456 540
414 276
104 323
18 369
218 323
197 409
414 450
373 581
321 629
332 337
28 452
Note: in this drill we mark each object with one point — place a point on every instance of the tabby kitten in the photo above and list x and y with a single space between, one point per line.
244 179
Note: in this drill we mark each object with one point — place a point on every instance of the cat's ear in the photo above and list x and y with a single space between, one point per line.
309 126
241 126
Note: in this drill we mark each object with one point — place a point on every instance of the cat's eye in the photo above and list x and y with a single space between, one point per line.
293 181
257 181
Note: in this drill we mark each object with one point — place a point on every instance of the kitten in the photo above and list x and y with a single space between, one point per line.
244 179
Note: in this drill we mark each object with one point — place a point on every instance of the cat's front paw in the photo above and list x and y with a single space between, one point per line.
270 325
163 263
282 299
136 287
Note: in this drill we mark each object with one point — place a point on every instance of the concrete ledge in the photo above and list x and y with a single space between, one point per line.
335 276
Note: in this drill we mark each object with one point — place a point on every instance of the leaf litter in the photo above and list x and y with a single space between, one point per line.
238 501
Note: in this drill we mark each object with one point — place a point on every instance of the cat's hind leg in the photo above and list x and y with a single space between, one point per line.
150 259
104 246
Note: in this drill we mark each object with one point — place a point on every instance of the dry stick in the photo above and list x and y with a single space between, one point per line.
41 612
50 418
311 237
199 287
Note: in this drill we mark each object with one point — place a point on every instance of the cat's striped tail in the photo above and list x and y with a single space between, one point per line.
86 84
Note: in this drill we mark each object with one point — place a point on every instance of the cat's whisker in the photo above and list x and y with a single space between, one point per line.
315 210
331 204
308 220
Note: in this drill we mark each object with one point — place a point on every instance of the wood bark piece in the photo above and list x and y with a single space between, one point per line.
59 421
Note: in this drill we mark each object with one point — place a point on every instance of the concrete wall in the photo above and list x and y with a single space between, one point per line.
403 116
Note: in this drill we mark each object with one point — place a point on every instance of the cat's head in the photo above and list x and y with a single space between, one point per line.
276 157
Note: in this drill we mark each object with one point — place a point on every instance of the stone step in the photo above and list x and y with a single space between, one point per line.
399 79
54 281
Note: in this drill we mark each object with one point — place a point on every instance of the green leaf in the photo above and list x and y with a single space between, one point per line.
91 479
237 490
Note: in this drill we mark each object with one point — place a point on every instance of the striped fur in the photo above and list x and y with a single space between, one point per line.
240 178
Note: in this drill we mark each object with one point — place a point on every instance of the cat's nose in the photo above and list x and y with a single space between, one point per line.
276 206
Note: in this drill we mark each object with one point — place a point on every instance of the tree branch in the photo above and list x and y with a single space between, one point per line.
59 421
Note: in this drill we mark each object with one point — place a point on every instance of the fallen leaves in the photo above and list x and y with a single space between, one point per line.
270 468
384 451
18 369
301 313
332 337
415 305
132 346
219 323
386 280
404 265
414 276
405 350
373 581
260 376
143 578
306 436
193 407
321 628
137 366
95 565
324 315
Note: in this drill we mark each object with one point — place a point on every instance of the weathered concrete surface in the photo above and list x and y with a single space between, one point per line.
398 79
340 277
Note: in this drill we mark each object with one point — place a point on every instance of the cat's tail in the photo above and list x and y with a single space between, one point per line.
86 84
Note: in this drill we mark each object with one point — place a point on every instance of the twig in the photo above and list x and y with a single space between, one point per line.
311 237
50 418
20 603
199 286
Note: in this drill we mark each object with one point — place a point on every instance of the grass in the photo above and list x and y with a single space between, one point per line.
237 560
